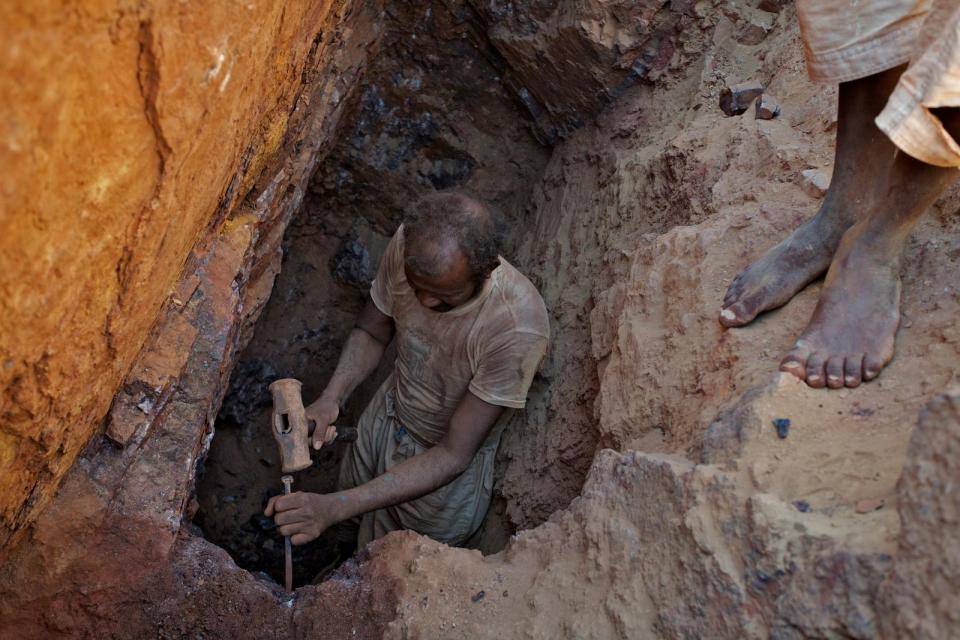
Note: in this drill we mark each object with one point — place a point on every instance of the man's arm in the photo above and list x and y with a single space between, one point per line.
304 516
360 356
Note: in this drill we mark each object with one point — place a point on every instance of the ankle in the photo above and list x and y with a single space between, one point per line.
878 244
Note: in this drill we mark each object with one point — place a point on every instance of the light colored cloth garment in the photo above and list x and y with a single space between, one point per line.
490 346
850 39
451 514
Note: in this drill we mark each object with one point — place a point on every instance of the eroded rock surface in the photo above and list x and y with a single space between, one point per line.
128 133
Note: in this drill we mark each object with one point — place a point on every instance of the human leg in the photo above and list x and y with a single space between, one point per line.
862 153
850 337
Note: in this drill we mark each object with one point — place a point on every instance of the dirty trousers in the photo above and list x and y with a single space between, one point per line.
846 40
451 514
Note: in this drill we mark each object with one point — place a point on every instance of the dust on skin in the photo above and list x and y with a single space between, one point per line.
875 198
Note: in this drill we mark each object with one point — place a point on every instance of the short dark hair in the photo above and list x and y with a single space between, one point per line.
453 215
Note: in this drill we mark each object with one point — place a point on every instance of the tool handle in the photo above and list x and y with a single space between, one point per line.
289 424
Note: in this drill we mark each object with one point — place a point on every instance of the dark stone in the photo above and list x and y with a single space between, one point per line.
783 427
351 263
248 390
262 522
772 6
736 100
802 506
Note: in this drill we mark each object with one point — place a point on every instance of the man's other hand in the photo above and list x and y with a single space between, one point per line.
320 416
302 516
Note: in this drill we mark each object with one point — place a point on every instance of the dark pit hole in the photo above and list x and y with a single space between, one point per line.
327 268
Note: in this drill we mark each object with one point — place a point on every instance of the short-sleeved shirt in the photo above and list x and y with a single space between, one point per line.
491 345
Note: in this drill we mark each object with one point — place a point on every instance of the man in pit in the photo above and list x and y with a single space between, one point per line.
471 332
898 66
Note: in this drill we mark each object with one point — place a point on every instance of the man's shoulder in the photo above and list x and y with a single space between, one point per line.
521 302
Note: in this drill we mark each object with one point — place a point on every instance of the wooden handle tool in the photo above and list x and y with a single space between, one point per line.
289 424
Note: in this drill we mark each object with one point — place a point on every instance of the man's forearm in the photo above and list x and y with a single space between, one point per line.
304 516
412 478
417 476
361 355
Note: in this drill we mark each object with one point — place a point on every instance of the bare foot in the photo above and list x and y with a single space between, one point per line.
850 337
863 153
784 270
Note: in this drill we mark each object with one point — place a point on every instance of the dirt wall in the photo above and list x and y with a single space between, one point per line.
129 132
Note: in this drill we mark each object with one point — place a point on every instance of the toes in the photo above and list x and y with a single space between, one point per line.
742 312
733 291
729 316
795 363
852 371
834 370
815 375
871 367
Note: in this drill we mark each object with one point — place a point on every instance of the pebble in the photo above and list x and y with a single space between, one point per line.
479 596
783 427
802 506
815 182
767 107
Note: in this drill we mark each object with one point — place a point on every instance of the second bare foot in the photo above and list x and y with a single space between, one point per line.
850 337
784 270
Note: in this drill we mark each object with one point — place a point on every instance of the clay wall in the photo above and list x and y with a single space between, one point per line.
129 132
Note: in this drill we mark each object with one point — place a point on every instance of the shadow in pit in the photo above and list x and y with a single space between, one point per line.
241 473
319 292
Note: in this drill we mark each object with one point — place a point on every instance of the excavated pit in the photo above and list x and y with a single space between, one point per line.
319 291
392 145
325 275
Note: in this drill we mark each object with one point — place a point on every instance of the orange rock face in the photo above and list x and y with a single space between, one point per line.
126 132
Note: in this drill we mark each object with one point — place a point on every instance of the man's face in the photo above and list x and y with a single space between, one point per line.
450 289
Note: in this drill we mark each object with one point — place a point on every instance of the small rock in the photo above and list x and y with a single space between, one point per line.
262 522
870 504
767 107
479 596
736 99
814 182
802 506
351 263
772 6
751 34
783 427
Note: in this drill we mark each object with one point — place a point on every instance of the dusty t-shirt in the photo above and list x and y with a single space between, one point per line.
491 345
